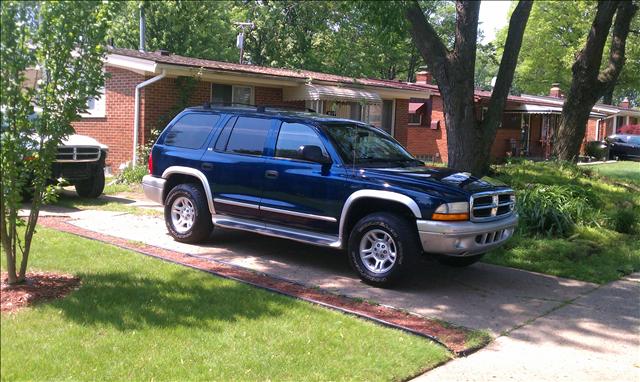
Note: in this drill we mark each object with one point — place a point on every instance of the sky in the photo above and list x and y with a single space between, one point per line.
493 16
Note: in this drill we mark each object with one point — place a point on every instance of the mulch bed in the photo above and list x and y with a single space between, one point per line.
38 286
454 338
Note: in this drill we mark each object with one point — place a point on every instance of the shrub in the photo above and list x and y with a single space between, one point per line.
625 220
131 175
555 210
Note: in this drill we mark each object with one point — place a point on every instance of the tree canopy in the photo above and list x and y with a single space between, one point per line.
355 38
555 34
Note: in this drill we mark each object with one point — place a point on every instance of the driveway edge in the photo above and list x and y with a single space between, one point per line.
453 338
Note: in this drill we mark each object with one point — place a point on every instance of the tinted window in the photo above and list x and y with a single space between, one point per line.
294 135
221 143
191 131
248 136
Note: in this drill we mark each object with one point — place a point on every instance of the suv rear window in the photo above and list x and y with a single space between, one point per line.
248 136
191 131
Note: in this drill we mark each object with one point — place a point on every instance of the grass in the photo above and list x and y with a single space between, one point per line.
109 203
592 254
119 188
103 204
137 318
625 171
598 251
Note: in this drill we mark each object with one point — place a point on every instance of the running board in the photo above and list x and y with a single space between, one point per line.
262 228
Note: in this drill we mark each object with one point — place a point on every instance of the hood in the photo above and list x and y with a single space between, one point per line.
433 178
82 140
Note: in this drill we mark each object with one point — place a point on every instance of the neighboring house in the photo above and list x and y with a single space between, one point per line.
527 124
123 121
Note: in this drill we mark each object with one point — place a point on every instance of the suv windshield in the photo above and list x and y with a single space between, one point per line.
366 145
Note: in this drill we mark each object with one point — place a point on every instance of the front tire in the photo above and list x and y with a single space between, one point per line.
186 214
92 187
459 262
380 247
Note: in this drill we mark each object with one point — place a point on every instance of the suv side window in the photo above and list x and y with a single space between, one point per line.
191 131
223 138
294 135
249 135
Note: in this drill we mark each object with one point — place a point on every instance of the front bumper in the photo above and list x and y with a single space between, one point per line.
464 238
153 188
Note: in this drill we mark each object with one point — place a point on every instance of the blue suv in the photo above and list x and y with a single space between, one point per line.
325 181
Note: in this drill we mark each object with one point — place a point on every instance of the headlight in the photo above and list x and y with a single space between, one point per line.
457 211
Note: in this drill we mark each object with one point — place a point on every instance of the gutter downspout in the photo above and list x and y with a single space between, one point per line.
136 117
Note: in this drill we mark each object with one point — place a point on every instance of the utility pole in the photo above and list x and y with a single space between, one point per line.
240 38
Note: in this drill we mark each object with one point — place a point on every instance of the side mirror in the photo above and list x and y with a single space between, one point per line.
313 153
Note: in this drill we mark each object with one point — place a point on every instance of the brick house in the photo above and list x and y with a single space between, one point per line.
527 126
125 118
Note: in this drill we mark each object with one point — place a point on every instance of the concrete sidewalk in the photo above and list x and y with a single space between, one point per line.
594 338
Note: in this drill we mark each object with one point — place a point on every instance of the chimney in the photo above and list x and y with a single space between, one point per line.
143 29
424 77
625 103
555 90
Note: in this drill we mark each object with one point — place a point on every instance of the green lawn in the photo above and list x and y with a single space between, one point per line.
138 318
622 170
117 197
595 252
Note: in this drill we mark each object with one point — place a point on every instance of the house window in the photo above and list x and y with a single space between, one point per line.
415 119
96 107
380 115
231 94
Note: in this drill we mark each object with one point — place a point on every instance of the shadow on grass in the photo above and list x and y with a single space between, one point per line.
129 302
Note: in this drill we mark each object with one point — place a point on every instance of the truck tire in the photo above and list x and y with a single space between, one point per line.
92 187
459 262
380 247
186 214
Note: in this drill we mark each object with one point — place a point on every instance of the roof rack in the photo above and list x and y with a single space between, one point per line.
258 108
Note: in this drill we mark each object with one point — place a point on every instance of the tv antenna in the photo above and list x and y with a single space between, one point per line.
240 39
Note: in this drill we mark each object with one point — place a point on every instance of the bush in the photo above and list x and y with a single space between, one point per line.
555 210
625 220
131 175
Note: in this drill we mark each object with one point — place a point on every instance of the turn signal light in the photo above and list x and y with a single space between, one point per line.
450 217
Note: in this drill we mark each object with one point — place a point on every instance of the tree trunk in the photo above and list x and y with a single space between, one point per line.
589 83
469 140
607 98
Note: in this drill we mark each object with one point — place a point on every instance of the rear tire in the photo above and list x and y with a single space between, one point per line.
92 187
459 262
186 214
380 247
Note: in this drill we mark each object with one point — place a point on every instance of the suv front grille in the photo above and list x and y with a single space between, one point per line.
492 205
77 154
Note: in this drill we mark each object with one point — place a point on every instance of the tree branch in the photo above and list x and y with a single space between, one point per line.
429 44
517 25
610 73
464 50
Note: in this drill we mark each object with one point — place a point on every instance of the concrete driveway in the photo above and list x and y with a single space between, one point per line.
547 328
481 296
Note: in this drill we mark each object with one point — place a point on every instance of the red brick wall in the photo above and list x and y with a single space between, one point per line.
502 143
273 97
401 123
421 140
116 129
159 102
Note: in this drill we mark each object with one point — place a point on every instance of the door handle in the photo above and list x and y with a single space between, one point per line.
207 166
271 174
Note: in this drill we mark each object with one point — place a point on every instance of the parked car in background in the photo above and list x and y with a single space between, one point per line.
80 161
325 181
624 146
